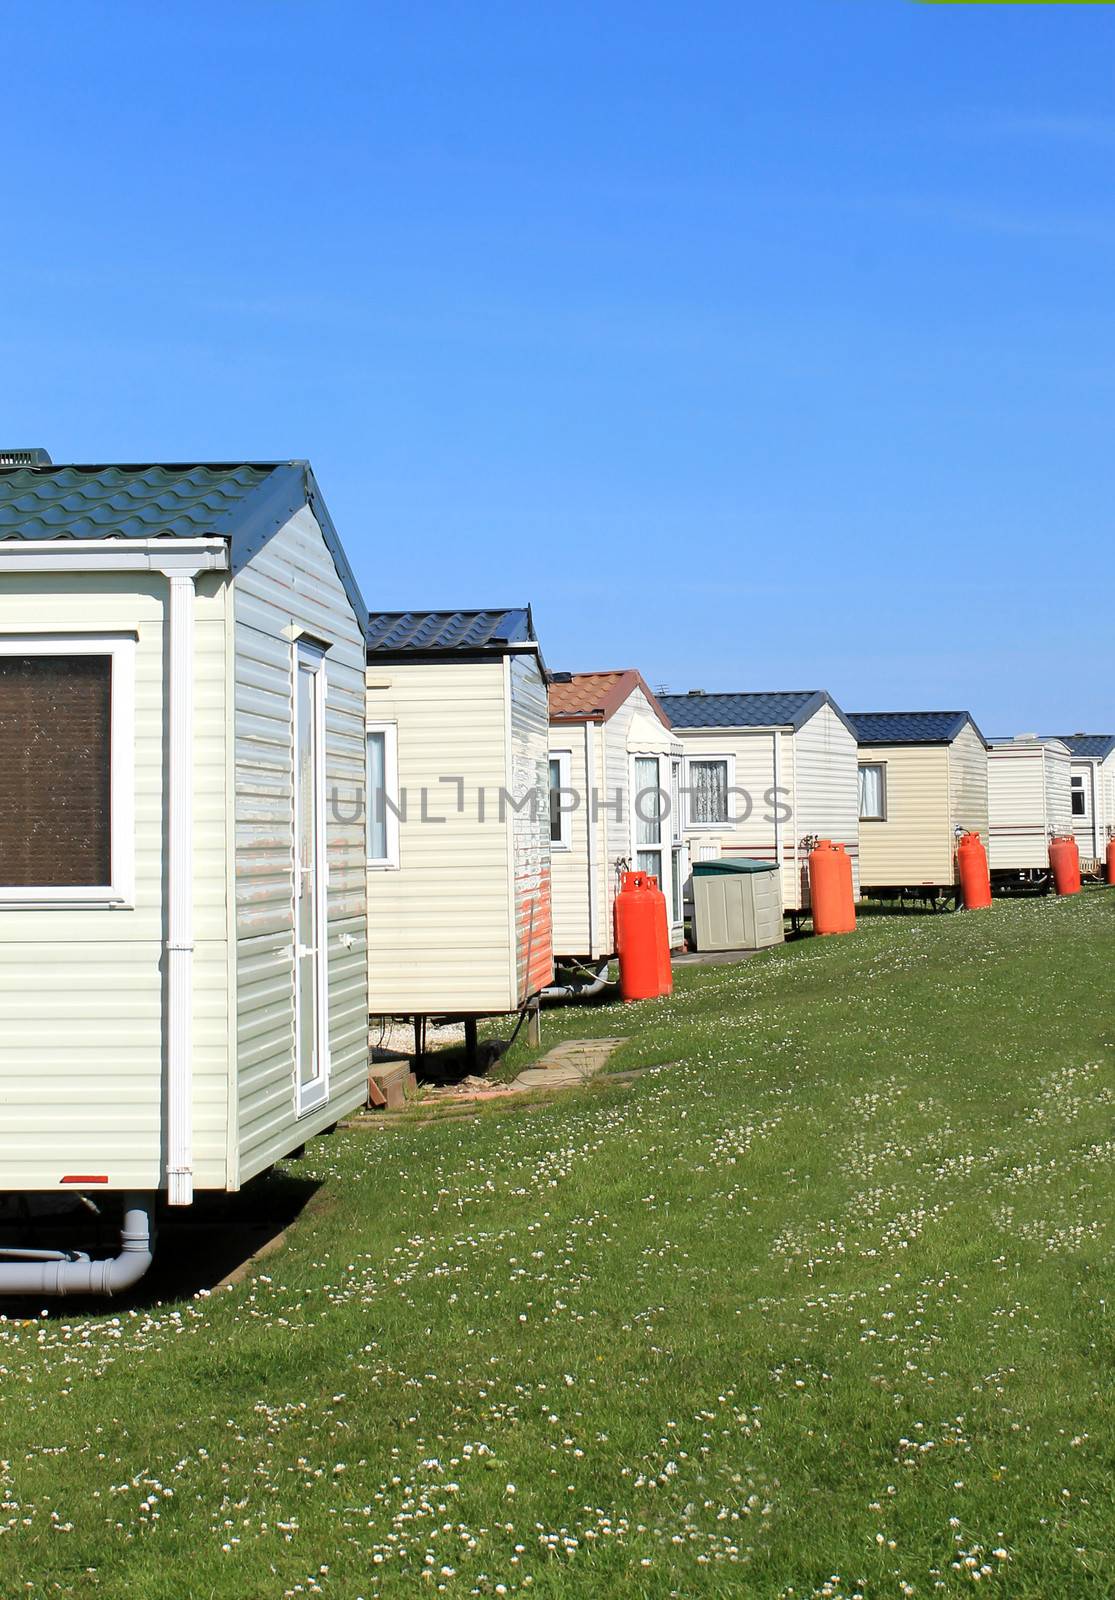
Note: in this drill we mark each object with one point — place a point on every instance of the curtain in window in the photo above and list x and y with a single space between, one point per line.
708 783
377 797
871 793
647 801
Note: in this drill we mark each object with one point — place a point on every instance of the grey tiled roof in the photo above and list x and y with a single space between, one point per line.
141 502
1099 745
909 727
414 631
779 709
246 502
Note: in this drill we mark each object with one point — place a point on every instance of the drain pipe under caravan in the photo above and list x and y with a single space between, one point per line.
54 1273
594 983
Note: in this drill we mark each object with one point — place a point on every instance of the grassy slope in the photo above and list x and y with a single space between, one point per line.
823 1309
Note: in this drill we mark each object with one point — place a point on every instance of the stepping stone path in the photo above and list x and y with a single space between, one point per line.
567 1064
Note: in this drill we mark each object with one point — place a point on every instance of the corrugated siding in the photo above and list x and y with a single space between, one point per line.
1058 801
81 992
968 784
530 826
914 844
1028 797
826 764
440 926
293 584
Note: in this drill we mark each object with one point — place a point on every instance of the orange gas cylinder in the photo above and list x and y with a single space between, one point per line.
1111 860
637 940
1064 858
975 880
662 939
830 888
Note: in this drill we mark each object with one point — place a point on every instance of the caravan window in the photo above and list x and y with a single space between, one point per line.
1079 803
708 792
383 795
873 791
65 770
561 799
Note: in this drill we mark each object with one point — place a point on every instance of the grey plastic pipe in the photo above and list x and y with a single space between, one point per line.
80 1275
595 984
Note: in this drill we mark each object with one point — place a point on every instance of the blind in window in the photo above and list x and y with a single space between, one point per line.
377 797
55 771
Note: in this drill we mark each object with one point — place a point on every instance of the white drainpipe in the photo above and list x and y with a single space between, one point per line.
776 774
590 833
180 889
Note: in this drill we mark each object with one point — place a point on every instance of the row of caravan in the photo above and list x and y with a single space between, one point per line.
660 784
240 815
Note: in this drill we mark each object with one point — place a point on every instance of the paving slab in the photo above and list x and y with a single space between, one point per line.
712 958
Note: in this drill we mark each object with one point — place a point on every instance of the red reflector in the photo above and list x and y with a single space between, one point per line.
85 1177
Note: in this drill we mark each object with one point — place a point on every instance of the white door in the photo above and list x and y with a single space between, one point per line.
311 1028
651 842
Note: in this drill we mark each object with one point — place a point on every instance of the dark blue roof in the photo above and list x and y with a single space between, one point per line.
1099 745
406 632
909 727
784 708
246 502
142 502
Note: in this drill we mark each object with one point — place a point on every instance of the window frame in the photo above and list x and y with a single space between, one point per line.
882 766
390 732
564 759
705 757
119 892
1078 786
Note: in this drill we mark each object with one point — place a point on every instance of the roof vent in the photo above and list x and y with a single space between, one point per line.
561 677
696 691
25 458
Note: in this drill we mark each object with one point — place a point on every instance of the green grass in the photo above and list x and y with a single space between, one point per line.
821 1308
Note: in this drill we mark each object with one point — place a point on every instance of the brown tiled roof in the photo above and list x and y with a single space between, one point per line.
596 696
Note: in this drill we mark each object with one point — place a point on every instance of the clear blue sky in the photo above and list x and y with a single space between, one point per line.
759 346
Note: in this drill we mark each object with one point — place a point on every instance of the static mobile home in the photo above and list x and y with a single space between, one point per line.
458 813
183 922
1092 792
1028 801
615 778
922 782
764 775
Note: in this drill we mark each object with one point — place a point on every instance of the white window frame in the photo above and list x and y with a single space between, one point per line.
730 764
119 892
883 769
390 732
564 759
1078 784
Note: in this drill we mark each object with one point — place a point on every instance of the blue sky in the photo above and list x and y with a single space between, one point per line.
758 346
